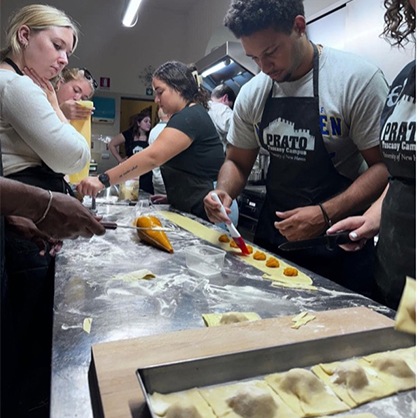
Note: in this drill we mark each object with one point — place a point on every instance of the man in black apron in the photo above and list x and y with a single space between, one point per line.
304 188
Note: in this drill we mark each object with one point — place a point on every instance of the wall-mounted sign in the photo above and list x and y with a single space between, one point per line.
105 82
149 91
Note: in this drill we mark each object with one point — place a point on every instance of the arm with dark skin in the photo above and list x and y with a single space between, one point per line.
66 218
309 222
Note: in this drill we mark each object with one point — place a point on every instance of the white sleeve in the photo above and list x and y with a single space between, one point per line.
241 133
366 111
59 145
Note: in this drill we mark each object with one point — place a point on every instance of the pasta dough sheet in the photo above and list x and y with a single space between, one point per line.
352 382
216 319
253 399
186 404
212 236
305 394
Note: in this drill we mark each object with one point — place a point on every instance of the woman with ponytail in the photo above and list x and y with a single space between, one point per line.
188 150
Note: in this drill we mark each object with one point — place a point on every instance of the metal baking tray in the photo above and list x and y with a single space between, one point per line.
222 369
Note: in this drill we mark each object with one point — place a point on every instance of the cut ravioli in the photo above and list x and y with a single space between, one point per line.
305 394
352 382
185 404
406 316
392 369
253 399
216 319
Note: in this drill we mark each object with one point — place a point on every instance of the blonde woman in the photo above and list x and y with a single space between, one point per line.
75 84
38 143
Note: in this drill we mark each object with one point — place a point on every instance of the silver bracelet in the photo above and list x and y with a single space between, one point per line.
51 196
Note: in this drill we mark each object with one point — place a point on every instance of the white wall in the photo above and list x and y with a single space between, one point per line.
108 49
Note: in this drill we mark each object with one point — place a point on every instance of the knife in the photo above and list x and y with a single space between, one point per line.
331 241
236 236
114 225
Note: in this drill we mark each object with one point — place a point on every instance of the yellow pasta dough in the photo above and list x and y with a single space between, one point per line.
185 404
305 394
253 399
216 319
212 236
406 316
392 369
352 382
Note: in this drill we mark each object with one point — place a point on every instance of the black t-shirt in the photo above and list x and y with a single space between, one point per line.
131 148
397 137
205 155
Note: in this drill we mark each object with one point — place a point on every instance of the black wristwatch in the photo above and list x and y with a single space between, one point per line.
104 178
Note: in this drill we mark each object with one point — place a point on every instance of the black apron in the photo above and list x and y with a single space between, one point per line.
301 174
43 177
396 249
185 191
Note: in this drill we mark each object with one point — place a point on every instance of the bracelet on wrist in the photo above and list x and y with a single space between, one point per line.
325 214
51 196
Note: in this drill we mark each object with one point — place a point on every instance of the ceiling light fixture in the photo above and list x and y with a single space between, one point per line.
215 68
130 17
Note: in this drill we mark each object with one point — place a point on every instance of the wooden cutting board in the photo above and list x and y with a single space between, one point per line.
115 388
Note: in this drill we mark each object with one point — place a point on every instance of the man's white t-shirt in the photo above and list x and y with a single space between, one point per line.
221 115
352 94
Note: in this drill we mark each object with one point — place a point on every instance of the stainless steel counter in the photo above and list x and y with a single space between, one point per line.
85 288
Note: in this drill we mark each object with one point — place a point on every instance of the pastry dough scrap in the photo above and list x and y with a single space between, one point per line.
409 355
352 382
135 276
211 235
392 369
302 319
216 319
253 399
185 404
406 316
305 393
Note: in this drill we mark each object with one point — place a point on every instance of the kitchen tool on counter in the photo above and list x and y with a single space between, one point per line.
114 225
236 236
331 241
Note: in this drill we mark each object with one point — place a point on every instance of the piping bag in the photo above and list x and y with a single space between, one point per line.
236 236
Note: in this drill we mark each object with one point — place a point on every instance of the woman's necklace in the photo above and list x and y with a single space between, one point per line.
13 65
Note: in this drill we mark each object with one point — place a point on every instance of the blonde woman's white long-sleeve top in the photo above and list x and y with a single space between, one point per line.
32 133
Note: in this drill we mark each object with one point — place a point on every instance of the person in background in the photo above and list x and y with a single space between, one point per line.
393 215
188 150
38 145
157 178
135 140
75 84
316 111
220 110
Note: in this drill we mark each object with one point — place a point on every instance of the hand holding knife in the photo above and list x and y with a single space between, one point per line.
331 241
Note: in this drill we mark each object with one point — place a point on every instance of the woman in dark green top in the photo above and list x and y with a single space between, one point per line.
188 150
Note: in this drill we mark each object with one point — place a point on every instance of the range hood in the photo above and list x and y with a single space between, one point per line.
227 64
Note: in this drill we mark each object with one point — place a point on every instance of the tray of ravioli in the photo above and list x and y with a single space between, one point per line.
275 269
294 381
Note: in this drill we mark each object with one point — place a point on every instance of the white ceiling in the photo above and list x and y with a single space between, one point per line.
174 5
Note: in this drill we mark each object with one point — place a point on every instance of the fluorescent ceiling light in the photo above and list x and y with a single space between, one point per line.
213 69
130 16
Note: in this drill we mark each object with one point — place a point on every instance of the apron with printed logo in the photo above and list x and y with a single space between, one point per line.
301 174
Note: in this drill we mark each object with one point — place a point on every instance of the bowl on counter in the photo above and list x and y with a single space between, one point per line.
204 260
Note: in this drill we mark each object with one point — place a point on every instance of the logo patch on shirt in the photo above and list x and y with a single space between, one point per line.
284 141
